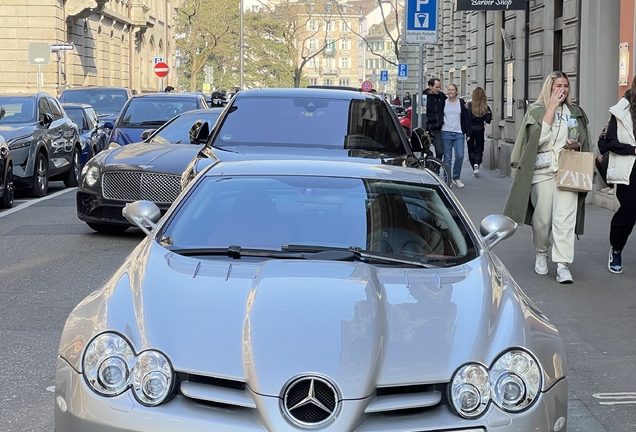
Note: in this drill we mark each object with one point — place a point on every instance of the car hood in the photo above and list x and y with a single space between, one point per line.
128 135
11 131
266 322
167 158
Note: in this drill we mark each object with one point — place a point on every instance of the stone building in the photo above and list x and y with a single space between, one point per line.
115 43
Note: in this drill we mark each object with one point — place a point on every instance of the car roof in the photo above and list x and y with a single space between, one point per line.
321 168
327 93
95 88
202 111
25 95
75 105
165 95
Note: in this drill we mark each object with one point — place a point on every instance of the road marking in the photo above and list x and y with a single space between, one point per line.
51 389
615 398
30 203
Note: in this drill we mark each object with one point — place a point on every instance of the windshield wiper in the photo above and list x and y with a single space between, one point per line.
359 254
152 122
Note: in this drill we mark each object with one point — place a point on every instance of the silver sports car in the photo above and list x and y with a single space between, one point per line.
319 295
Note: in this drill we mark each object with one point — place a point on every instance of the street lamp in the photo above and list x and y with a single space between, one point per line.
241 48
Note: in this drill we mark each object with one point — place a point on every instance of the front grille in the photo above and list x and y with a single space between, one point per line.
132 186
108 213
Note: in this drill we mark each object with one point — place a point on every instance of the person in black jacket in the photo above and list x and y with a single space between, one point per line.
456 125
435 101
479 115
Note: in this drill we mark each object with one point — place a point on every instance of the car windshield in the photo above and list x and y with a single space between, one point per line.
413 221
177 130
76 115
104 101
17 110
361 124
155 111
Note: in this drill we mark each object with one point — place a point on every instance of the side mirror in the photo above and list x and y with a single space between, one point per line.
109 125
145 134
46 119
422 139
199 132
144 214
495 228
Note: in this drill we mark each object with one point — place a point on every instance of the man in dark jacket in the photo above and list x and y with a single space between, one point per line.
406 102
435 101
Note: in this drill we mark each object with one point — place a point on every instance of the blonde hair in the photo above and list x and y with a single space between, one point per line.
546 91
479 103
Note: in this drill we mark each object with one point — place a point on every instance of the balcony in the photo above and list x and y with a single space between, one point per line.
329 71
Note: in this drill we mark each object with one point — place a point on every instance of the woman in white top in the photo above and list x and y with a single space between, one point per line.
556 215
456 124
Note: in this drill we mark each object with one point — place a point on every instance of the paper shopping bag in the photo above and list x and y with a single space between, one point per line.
576 171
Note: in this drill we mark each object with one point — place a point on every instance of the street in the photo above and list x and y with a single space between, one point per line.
50 260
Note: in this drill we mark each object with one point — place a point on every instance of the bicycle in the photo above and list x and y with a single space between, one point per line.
432 163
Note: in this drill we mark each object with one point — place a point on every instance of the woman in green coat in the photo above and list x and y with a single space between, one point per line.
556 215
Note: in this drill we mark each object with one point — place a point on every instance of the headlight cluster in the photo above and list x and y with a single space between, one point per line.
20 142
512 383
90 174
111 367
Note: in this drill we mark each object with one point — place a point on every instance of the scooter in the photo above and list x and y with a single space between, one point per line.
405 121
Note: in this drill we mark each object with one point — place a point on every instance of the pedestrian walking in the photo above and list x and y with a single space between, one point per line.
556 215
406 100
480 114
169 89
456 125
620 143
396 101
435 100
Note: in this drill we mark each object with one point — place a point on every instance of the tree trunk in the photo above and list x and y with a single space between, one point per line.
297 75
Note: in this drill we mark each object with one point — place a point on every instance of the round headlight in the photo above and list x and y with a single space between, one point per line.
107 363
515 379
152 378
470 390
92 176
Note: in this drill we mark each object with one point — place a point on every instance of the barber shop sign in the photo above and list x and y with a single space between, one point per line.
492 5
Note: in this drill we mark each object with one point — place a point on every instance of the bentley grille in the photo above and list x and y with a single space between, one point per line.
132 186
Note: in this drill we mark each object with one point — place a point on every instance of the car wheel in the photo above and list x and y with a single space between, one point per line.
72 179
107 228
9 190
40 176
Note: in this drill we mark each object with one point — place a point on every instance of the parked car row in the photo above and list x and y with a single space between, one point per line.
309 274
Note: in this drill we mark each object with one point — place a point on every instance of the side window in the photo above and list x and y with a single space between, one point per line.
55 109
43 108
91 118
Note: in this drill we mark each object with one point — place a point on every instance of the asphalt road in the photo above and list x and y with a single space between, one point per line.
49 261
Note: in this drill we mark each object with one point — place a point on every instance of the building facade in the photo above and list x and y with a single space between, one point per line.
115 43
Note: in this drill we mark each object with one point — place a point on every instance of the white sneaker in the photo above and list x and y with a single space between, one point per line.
476 170
563 274
611 191
541 263
606 189
458 183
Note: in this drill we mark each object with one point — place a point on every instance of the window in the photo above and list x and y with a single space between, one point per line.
344 26
344 62
55 109
345 44
312 44
311 25
328 82
313 81
343 81
328 26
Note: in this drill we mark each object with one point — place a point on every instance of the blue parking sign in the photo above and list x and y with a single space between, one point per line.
403 71
421 21
384 76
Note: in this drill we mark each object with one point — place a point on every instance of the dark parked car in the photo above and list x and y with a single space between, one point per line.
6 175
43 141
150 111
93 135
300 123
150 170
106 101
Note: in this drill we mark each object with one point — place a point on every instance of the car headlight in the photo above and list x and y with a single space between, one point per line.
108 361
20 142
152 378
470 390
113 145
110 367
515 380
90 175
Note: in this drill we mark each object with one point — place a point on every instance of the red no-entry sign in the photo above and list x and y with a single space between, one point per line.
161 69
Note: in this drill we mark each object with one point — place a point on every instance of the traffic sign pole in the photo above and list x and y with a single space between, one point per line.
420 82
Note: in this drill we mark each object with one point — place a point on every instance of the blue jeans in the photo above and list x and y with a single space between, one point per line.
453 141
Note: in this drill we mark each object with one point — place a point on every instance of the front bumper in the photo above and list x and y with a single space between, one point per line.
92 207
77 408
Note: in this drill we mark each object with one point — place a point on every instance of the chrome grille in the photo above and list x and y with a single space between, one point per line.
133 186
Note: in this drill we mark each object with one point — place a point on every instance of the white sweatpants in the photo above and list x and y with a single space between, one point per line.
554 213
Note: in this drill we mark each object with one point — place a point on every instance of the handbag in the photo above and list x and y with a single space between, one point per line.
576 171
544 158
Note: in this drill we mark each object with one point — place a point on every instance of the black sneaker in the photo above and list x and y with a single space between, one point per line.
614 263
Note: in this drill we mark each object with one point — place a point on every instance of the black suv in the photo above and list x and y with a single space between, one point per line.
44 143
301 123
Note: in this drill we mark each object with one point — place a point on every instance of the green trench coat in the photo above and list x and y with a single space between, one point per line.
519 206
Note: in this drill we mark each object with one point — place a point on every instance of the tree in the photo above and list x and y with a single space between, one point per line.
203 28
302 22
